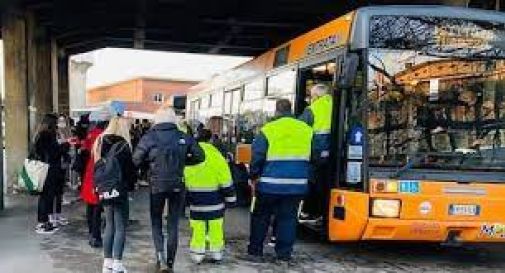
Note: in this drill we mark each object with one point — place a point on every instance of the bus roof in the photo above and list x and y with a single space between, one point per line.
350 29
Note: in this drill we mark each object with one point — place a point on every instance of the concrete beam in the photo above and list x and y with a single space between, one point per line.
16 95
462 3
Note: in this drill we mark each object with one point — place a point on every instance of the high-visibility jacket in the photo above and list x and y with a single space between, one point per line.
287 162
321 111
209 185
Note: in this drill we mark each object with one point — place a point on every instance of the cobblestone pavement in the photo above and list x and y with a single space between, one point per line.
21 250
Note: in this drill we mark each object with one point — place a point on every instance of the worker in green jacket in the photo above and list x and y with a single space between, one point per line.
210 191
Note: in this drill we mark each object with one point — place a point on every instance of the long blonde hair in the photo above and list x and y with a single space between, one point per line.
117 126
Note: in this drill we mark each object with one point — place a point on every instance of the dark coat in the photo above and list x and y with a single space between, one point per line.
166 134
47 149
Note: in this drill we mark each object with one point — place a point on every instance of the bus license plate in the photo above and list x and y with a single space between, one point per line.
464 210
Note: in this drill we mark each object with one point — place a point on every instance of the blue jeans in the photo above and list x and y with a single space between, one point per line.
116 219
284 208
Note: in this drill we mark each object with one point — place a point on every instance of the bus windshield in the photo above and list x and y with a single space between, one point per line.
436 93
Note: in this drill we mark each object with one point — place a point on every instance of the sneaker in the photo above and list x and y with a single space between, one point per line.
107 265
273 242
197 258
216 256
143 183
61 221
45 228
118 267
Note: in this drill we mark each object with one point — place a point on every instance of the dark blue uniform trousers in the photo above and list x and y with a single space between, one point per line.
284 208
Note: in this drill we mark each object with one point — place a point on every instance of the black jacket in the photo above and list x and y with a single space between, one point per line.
164 134
125 160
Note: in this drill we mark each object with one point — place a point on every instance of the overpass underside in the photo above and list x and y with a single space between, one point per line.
40 35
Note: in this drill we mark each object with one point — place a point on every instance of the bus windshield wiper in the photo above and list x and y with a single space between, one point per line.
410 163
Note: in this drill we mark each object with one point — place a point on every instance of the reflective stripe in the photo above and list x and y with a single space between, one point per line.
206 208
230 199
227 184
292 181
197 251
196 189
322 132
288 158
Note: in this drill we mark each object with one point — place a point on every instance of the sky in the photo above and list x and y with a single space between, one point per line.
112 65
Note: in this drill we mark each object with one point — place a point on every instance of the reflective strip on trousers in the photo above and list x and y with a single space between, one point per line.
230 199
281 181
206 208
288 158
196 189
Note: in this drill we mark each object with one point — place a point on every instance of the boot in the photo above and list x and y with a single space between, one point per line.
161 264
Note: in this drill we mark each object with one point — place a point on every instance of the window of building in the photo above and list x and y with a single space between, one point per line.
158 98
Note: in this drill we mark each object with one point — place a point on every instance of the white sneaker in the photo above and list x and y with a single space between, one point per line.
118 267
107 265
216 256
197 258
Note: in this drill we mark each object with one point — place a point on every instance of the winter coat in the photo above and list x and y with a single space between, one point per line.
164 134
88 186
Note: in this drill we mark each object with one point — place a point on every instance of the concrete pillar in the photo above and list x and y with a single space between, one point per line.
16 95
39 72
63 85
54 74
77 89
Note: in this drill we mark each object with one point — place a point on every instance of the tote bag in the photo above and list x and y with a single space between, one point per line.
33 175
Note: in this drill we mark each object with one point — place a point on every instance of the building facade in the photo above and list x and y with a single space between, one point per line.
142 94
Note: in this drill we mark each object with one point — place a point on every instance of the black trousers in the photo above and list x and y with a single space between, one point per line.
94 217
47 196
175 202
284 209
317 199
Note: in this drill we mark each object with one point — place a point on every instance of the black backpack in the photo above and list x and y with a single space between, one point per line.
108 173
168 165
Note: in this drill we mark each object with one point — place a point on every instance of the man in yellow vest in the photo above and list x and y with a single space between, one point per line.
210 190
319 116
280 170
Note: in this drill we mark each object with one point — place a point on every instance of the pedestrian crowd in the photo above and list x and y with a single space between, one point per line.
110 155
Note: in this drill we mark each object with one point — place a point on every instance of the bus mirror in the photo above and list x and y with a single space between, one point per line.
348 72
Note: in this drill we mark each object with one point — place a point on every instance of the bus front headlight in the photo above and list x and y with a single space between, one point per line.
387 208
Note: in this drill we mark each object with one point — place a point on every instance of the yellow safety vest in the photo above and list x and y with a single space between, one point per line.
322 112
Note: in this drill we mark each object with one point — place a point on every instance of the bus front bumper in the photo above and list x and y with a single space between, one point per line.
434 231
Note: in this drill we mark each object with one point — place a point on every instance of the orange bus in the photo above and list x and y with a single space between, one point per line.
418 130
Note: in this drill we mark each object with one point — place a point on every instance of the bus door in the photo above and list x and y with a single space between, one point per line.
348 204
321 70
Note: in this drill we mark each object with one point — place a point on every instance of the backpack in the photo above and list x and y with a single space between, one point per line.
108 174
168 164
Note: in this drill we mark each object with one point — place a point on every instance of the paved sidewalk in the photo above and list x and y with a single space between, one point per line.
67 251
